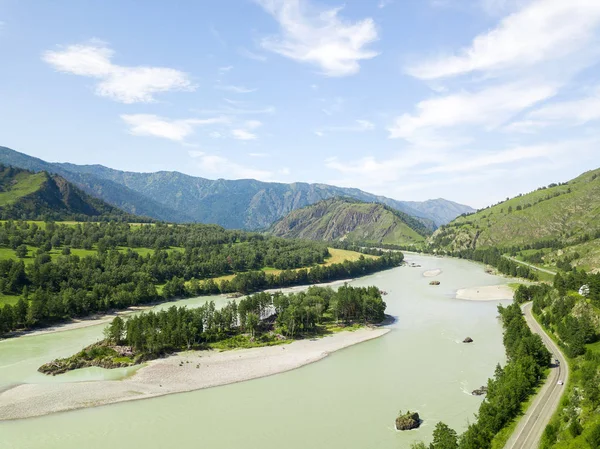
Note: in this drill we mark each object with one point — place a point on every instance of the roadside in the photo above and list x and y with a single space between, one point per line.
529 431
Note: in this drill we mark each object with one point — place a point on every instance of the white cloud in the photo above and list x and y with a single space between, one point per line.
258 154
227 110
237 89
490 107
473 161
177 130
578 111
543 30
214 165
253 124
559 114
473 170
319 37
120 83
215 134
242 134
251 55
383 3
225 69
358 126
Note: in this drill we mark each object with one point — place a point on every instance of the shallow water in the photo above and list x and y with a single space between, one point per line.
348 400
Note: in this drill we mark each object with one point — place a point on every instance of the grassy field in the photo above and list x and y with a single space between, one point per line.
337 256
26 184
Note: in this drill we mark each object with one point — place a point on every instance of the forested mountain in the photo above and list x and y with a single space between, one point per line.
111 192
552 224
240 204
352 221
33 196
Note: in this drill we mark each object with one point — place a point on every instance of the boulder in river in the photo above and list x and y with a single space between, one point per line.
468 340
480 391
407 421
434 283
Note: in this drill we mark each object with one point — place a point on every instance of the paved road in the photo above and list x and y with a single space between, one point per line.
531 426
531 266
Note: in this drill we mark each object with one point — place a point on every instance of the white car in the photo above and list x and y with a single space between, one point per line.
560 382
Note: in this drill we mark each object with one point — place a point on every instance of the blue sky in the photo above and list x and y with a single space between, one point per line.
470 100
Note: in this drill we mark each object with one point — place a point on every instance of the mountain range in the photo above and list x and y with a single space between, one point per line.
352 221
242 204
34 196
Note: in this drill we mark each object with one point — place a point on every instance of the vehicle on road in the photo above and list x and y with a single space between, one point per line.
560 382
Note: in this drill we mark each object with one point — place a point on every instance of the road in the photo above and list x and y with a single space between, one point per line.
531 426
531 266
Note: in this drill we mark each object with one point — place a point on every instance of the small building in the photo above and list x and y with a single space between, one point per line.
584 290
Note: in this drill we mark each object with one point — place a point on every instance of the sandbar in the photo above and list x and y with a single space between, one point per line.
487 293
186 371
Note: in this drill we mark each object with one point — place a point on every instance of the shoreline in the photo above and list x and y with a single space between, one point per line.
183 372
486 293
106 318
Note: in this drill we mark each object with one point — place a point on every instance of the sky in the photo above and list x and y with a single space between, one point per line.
469 100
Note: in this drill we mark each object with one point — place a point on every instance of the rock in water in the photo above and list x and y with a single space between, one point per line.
468 340
480 391
434 283
407 421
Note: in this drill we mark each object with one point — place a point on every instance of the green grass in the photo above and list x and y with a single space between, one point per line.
26 184
8 299
534 217
245 342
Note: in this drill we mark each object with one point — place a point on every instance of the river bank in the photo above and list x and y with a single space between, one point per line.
485 293
185 371
106 318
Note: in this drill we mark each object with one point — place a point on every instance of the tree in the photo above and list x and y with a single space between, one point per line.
21 251
252 321
593 438
66 251
444 437
115 331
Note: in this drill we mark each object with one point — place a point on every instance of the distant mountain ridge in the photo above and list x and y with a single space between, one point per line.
242 204
29 195
342 219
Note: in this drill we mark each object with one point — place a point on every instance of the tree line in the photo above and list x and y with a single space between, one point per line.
291 315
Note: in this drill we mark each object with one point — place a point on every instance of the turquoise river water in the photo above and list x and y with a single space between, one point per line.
348 400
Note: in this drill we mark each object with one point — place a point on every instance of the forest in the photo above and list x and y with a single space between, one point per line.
573 320
495 258
111 272
511 386
258 320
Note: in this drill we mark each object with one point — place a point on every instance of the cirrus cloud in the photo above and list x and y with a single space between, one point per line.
320 37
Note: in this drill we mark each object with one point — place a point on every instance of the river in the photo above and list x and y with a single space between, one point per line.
348 400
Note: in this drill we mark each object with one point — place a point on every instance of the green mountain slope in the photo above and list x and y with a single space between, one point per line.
109 191
31 196
353 221
563 218
243 204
